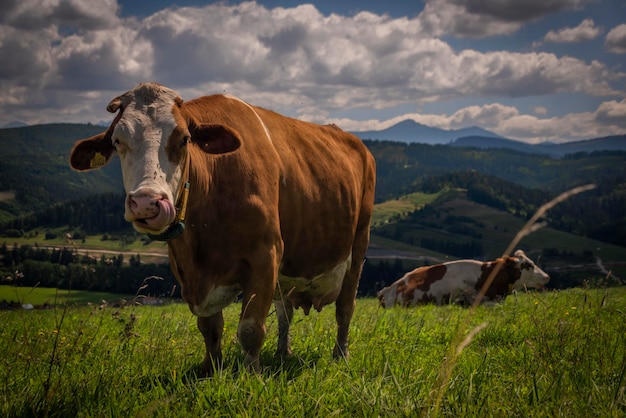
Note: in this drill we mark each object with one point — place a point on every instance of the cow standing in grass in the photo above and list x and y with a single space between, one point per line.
251 203
460 281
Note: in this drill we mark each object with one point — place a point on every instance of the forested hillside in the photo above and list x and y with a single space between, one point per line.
35 173
604 205
402 167
463 202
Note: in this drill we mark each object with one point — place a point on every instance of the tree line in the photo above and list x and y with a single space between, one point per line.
65 268
597 214
95 214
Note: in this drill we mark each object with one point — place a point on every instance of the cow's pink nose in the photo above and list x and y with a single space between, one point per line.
144 206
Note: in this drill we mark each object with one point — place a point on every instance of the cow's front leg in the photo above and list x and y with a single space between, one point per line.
284 312
212 328
258 293
251 330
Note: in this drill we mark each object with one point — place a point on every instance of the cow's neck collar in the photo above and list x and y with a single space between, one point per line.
178 226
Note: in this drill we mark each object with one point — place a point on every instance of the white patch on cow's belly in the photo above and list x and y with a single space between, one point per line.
460 279
321 288
216 300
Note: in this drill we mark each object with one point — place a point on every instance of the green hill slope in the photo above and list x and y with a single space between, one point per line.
35 173
446 201
454 226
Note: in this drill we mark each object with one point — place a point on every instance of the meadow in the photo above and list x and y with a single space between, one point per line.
547 354
38 296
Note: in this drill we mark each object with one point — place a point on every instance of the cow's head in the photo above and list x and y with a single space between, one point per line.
381 295
531 276
151 134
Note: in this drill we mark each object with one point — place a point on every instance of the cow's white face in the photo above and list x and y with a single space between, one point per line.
148 140
531 276
149 143
388 296
151 134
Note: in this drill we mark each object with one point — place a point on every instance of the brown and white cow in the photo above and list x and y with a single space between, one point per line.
251 203
460 281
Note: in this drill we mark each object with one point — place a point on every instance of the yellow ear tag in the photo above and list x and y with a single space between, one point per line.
98 160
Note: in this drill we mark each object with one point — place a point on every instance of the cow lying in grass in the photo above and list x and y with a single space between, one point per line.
460 282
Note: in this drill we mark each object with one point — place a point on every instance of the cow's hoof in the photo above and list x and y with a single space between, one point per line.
339 352
284 354
209 368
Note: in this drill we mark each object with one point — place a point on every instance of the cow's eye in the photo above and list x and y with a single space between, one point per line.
118 145
185 140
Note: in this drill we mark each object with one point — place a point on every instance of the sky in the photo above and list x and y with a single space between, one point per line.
530 70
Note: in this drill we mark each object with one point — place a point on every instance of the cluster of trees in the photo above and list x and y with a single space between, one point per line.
501 178
400 167
29 265
378 273
102 213
461 234
65 268
413 234
514 181
597 214
34 164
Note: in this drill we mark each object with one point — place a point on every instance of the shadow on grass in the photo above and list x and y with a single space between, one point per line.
272 366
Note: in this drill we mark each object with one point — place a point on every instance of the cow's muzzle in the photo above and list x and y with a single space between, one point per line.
149 212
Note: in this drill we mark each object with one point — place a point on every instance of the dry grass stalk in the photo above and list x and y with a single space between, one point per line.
459 342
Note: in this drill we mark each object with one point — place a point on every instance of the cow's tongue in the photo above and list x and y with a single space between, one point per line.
166 215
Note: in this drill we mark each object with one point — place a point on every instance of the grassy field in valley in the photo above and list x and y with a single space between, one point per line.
536 355
38 296
384 211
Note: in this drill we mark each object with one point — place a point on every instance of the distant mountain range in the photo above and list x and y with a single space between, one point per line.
409 131
14 124
609 143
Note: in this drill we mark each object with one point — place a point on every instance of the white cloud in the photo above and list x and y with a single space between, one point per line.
482 18
26 58
616 40
74 14
108 60
336 62
449 17
608 119
293 60
519 10
332 62
613 113
583 32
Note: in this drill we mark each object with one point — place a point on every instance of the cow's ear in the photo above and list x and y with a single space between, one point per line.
92 153
215 139
514 262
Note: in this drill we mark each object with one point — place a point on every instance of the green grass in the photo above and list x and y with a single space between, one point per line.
384 211
539 355
94 242
498 227
40 295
